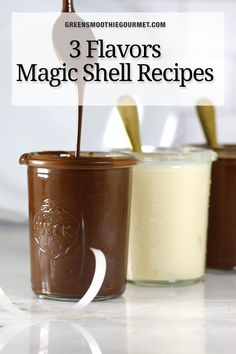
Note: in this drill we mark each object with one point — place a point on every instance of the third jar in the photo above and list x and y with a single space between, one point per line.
221 252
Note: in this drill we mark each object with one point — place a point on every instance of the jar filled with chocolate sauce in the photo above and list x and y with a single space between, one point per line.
221 246
76 203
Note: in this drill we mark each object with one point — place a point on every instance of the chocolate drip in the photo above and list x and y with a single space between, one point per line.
68 6
80 115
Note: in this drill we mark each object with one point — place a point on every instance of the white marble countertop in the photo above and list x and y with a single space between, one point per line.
195 319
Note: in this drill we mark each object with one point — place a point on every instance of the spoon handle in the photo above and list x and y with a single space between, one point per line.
132 128
206 115
129 114
68 6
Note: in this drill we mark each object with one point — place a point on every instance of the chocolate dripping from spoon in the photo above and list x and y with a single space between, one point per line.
68 6
80 90
62 45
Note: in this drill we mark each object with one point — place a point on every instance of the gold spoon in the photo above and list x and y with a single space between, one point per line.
206 114
129 114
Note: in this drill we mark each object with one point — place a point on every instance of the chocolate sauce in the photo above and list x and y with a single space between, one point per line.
221 248
76 203
80 89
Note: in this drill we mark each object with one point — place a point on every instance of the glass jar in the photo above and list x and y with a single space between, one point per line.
169 215
76 203
221 247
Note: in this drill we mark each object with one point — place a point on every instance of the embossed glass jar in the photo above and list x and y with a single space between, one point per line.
76 203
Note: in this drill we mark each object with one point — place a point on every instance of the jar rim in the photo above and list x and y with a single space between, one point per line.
187 154
86 160
224 151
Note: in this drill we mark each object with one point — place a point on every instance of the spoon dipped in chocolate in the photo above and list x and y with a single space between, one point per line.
70 46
